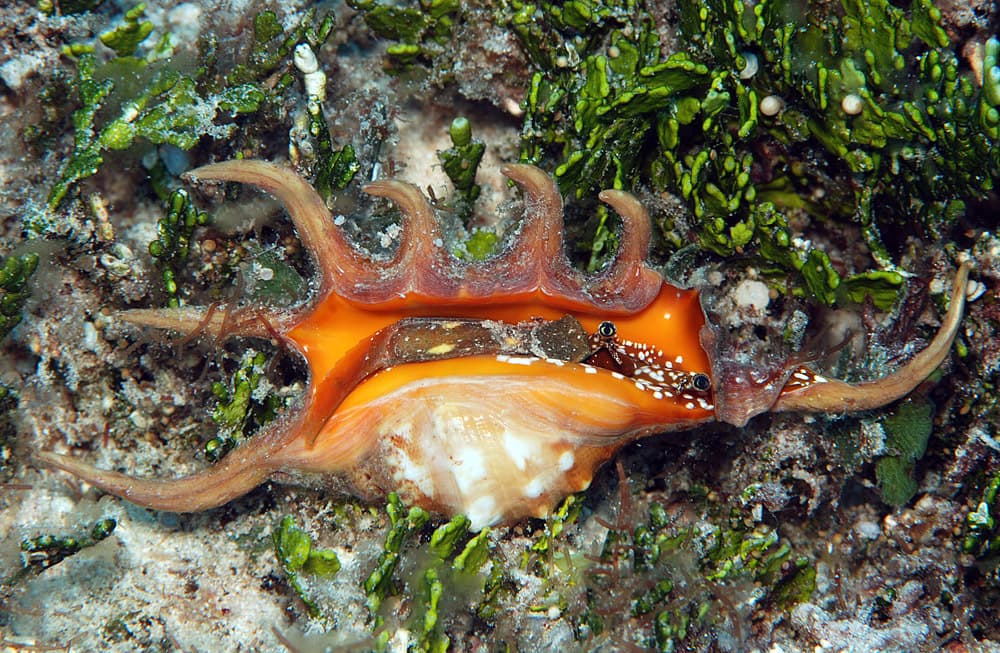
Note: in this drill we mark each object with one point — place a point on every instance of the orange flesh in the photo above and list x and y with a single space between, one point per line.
596 408
670 323
646 409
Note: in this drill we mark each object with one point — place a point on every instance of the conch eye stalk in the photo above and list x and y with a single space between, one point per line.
492 388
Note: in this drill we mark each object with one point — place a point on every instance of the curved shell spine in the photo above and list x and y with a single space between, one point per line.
533 261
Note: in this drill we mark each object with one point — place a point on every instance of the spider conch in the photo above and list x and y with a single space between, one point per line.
491 388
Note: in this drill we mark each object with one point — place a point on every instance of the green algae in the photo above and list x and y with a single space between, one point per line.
658 580
242 406
460 162
15 272
67 7
168 110
908 429
44 551
173 243
419 29
125 38
271 47
613 112
171 105
982 535
447 564
295 553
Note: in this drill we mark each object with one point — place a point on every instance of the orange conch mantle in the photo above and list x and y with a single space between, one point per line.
335 326
491 389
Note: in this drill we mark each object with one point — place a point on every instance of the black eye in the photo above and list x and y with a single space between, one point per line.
607 330
701 382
